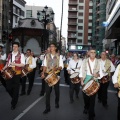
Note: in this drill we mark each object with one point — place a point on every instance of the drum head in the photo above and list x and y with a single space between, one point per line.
74 75
88 84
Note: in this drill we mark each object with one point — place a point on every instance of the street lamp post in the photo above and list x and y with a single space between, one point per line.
45 17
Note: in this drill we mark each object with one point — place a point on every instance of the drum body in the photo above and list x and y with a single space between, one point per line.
91 87
24 72
52 79
75 78
104 79
8 73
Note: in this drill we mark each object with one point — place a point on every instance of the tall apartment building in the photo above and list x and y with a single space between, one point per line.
79 25
112 41
98 30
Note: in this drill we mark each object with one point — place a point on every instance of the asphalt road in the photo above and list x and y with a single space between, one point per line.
31 107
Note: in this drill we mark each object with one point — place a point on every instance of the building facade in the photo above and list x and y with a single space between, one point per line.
79 24
98 30
112 41
18 11
32 12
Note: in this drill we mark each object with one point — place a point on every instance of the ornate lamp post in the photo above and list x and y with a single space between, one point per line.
45 16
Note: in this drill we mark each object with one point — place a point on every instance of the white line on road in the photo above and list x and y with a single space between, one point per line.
27 109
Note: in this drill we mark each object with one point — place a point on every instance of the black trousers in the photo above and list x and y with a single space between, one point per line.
12 87
66 76
48 91
43 86
2 80
74 87
89 102
30 77
118 110
102 93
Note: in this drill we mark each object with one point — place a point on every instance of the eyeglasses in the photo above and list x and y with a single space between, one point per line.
92 52
52 46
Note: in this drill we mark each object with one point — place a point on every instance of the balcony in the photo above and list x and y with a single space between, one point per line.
69 43
72 36
72 10
72 16
73 29
72 23
73 3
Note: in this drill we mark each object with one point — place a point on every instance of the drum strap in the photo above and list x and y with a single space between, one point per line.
76 65
89 67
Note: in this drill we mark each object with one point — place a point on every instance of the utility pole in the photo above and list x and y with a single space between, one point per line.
61 25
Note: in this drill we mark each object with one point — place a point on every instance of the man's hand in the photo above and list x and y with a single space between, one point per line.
55 69
82 83
42 75
68 71
116 85
12 64
96 75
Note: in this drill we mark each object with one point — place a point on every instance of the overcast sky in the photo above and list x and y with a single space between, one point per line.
57 7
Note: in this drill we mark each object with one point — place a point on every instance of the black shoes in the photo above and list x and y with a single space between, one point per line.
23 93
46 111
28 92
56 105
85 111
77 96
41 94
105 106
13 107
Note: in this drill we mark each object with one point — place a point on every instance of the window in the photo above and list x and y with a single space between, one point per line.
80 27
90 7
89 34
89 27
80 7
90 21
29 13
80 14
79 40
80 21
80 1
90 14
15 19
79 34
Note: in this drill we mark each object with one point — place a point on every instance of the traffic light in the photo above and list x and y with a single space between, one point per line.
5 34
98 52
10 37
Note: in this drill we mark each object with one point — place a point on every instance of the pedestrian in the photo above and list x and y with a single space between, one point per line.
30 64
116 82
2 63
107 69
73 70
52 62
90 70
16 61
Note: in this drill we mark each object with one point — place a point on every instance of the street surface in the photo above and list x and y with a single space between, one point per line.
31 107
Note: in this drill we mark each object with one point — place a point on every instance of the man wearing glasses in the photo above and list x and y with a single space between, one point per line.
90 69
53 61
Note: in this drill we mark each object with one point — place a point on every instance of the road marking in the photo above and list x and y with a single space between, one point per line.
64 85
27 109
